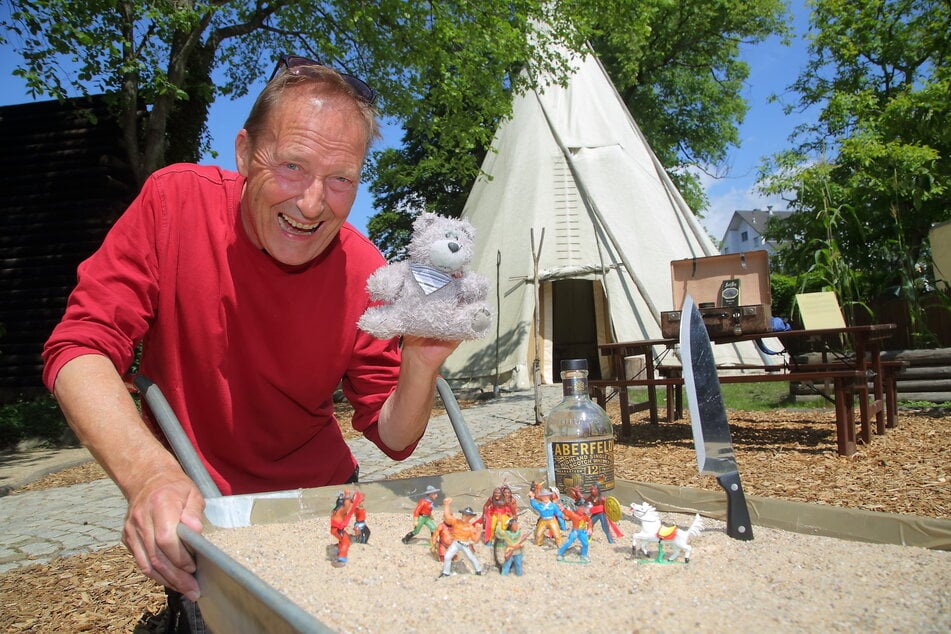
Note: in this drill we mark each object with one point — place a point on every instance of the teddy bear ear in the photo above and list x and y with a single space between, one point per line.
424 220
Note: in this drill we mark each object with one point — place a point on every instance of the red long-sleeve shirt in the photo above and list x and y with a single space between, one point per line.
247 351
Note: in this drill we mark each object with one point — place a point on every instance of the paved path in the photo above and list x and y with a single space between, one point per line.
38 526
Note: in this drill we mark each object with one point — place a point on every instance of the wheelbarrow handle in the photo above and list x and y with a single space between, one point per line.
195 468
469 448
181 445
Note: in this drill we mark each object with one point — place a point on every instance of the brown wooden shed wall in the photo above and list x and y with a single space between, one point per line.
62 185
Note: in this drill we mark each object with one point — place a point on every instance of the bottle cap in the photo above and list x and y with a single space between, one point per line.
574 364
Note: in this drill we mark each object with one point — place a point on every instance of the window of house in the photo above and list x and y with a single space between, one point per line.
744 236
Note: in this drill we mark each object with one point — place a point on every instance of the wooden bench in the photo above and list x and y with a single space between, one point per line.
867 366
845 385
890 369
887 400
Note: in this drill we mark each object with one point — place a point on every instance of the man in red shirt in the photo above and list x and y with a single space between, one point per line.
244 289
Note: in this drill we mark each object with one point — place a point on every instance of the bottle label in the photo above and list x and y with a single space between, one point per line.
583 463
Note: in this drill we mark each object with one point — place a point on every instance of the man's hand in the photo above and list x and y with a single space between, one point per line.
427 353
100 410
151 525
405 413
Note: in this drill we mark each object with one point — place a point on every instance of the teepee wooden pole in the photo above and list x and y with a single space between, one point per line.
536 363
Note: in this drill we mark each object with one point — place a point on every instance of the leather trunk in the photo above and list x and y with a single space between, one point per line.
732 292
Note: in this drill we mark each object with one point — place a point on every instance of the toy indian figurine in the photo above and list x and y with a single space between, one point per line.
343 511
509 542
497 511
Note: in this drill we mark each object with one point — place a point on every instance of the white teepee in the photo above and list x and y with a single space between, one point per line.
572 162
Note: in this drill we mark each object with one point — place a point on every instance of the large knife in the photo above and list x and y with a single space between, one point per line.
711 430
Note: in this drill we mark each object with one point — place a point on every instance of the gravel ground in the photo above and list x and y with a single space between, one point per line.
779 581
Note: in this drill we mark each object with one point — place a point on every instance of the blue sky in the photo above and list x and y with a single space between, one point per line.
764 131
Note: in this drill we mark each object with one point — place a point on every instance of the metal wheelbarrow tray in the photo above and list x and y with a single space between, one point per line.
234 599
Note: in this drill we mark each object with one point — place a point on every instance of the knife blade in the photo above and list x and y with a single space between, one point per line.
708 419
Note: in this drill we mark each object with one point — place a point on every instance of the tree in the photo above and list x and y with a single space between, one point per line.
676 65
681 75
156 58
446 71
880 150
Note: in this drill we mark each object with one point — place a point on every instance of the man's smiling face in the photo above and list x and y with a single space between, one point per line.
302 173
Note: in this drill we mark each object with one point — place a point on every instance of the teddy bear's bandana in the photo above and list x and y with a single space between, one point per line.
429 278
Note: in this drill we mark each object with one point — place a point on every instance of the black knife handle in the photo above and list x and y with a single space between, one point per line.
738 524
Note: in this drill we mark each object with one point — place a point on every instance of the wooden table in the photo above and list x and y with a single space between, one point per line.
867 348
618 353
850 376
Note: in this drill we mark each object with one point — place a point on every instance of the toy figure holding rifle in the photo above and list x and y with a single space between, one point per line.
423 514
509 542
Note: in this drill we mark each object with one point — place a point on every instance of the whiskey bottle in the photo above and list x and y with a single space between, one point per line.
579 436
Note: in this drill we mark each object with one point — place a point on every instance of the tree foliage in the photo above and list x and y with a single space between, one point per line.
676 64
880 150
681 76
157 58
446 72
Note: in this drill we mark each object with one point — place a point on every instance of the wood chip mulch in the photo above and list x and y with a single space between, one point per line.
101 591
787 454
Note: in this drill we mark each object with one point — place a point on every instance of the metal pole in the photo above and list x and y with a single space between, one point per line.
468 445
181 445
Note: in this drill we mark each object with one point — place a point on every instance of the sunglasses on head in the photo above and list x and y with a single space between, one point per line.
295 64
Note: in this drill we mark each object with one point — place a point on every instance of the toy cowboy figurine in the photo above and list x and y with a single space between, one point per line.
580 523
423 514
464 536
550 517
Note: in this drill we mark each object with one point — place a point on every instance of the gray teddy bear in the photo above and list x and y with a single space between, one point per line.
431 294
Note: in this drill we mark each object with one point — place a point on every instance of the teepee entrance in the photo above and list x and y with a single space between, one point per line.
574 325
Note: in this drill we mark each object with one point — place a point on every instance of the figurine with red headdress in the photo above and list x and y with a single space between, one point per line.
497 511
343 511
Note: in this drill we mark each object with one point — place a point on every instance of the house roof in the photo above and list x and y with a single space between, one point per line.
756 218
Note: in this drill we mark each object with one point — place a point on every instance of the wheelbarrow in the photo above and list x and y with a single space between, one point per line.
233 599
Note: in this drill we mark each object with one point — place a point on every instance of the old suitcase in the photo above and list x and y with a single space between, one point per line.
732 292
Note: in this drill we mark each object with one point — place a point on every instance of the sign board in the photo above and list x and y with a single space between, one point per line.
820 310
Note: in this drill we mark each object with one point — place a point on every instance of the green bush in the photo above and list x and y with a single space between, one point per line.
783 288
37 419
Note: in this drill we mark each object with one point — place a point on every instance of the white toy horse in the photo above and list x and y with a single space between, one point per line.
654 532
